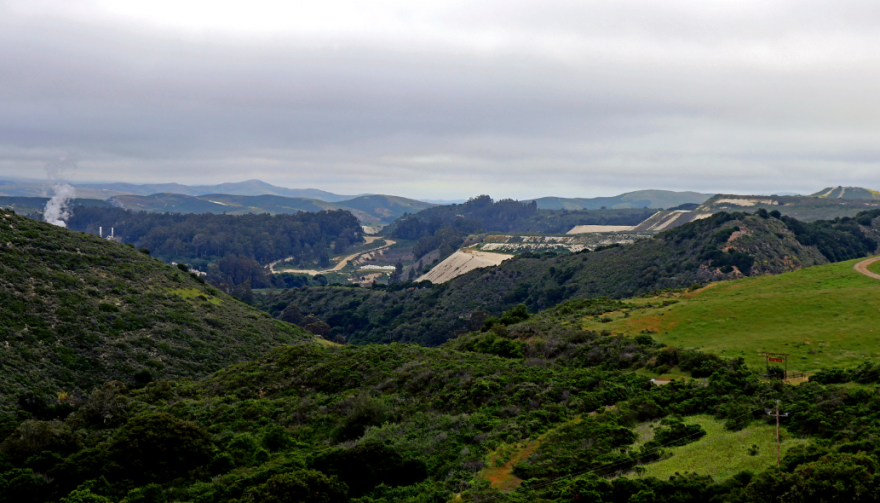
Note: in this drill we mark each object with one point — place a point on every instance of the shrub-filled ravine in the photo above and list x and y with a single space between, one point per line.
398 422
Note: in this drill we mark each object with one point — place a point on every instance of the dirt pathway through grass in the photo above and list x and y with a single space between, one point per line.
862 267
342 263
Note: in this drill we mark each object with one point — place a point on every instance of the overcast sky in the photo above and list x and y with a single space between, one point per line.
446 99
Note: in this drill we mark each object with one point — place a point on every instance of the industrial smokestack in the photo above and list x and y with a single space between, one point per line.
57 210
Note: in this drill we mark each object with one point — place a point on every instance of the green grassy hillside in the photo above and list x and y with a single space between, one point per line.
722 453
78 310
823 316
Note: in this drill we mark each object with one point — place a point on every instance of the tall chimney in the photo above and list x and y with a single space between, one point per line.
100 232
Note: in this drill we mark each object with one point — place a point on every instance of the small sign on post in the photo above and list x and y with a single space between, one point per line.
778 358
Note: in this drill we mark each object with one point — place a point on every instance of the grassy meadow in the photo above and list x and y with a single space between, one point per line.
823 316
721 453
875 267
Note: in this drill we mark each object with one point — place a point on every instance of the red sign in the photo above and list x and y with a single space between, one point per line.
774 359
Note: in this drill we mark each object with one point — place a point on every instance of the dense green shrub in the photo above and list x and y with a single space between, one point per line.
367 465
673 432
303 486
155 447
34 437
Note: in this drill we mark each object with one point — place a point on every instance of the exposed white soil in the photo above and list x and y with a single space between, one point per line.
373 267
666 222
461 262
508 247
584 229
745 202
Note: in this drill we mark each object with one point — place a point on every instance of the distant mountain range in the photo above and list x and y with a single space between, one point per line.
636 199
36 188
246 188
372 209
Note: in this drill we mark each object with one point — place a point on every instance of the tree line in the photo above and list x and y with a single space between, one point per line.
200 239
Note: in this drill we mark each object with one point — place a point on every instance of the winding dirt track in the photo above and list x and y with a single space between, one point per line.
862 267
341 264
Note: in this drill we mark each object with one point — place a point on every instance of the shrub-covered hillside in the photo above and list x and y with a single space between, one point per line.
528 411
724 246
76 310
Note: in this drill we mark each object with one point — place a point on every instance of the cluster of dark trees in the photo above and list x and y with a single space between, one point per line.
444 228
199 239
838 240
488 214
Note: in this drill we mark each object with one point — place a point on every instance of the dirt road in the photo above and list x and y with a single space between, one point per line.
342 263
862 267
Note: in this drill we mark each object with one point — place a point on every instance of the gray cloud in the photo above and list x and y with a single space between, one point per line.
515 98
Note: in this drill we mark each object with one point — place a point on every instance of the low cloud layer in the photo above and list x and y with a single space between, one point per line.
446 100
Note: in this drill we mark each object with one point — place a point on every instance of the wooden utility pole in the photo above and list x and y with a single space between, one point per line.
777 416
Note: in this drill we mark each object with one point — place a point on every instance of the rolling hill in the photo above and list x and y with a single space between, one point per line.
637 199
822 316
39 189
246 188
374 209
78 310
807 208
35 205
528 409
724 246
847 193
522 408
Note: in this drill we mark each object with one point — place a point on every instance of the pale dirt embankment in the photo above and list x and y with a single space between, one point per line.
340 265
461 262
862 267
584 229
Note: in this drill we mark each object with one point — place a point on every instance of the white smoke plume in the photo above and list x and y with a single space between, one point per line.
57 209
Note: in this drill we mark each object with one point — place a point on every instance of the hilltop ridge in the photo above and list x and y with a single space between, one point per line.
372 209
637 199
840 192
79 310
